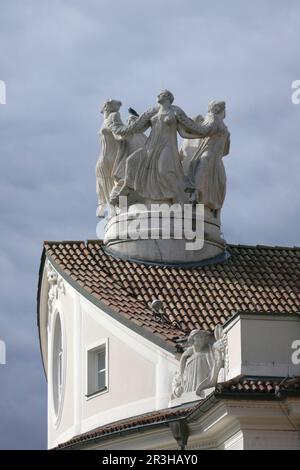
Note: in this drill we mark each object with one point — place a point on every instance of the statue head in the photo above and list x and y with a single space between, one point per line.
198 119
52 277
198 338
217 107
165 95
110 106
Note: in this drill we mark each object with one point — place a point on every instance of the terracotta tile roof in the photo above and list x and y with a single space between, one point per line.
76 261
266 386
259 388
254 278
154 417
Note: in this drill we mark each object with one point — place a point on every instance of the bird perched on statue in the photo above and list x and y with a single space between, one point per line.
133 112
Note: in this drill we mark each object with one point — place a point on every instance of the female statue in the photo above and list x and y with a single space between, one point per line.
206 172
112 151
110 168
201 362
155 171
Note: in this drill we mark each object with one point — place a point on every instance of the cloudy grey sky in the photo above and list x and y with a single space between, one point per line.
60 59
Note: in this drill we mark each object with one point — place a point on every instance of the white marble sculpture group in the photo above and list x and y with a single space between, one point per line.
148 169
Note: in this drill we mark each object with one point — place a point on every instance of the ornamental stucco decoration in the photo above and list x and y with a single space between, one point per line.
56 286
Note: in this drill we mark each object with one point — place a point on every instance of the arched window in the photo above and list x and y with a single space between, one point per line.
57 365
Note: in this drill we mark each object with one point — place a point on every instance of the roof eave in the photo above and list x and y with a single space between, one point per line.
40 279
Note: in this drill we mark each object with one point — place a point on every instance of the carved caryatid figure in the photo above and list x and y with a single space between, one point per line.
133 142
110 168
201 362
113 150
155 170
203 159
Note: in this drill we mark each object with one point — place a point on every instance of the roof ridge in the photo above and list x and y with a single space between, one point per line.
231 245
97 240
63 242
274 247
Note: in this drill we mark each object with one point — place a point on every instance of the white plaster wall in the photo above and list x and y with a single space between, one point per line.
266 345
233 359
260 345
124 364
140 373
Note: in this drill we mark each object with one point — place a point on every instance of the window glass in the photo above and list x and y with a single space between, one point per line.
97 370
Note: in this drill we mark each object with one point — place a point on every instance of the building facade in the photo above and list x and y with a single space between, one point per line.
110 358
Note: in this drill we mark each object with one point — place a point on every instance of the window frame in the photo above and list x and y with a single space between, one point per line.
60 381
100 371
60 373
94 349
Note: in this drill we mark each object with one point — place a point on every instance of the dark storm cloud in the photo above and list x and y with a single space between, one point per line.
60 60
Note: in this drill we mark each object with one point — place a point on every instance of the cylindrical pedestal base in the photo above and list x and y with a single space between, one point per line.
175 238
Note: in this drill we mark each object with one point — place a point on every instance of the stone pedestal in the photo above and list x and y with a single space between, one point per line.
184 237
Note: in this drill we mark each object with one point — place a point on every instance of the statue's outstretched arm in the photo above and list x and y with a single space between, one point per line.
185 134
115 122
140 125
190 129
